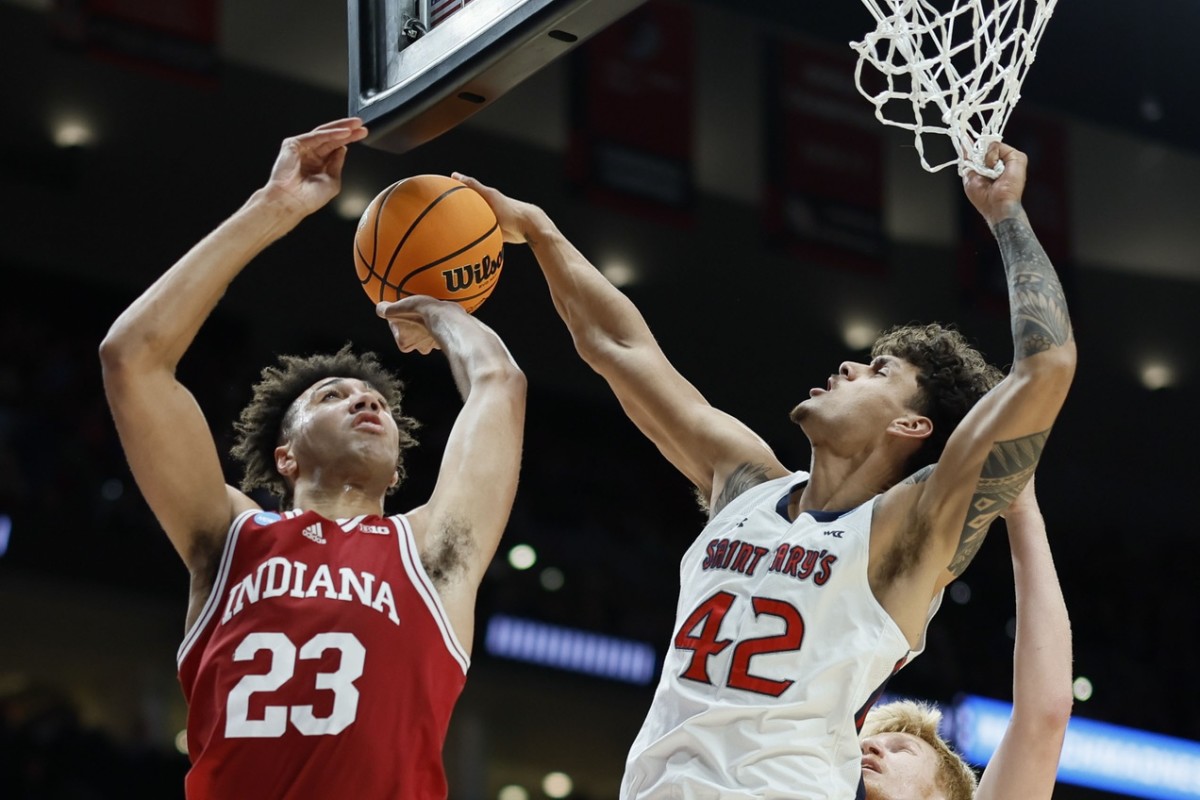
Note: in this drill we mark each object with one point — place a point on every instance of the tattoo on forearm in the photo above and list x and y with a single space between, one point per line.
740 479
1008 468
1039 307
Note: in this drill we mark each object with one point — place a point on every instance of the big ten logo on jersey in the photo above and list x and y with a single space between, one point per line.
279 577
459 278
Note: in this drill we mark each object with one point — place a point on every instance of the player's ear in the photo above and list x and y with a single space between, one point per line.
285 462
395 479
911 426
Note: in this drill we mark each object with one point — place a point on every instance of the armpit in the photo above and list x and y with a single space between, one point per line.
743 477
449 552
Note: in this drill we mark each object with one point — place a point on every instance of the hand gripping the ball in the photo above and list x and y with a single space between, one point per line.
514 216
411 321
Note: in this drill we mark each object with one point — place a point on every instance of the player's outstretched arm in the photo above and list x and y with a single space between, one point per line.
166 439
994 450
1026 761
717 453
459 529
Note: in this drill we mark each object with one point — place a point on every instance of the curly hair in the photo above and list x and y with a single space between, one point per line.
263 424
952 376
954 776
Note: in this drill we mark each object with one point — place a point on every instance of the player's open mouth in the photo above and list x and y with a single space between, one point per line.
367 421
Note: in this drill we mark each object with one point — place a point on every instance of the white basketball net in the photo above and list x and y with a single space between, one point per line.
956 72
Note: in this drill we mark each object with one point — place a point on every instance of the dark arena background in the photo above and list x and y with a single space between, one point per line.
672 149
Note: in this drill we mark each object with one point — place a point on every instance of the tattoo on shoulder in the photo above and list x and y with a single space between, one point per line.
1008 468
920 476
743 477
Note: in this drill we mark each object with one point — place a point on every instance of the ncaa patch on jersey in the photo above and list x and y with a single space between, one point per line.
266 518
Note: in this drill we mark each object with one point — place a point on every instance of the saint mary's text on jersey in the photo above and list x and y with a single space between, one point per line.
794 560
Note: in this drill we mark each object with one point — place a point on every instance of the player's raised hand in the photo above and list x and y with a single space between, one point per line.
998 198
308 169
513 215
409 321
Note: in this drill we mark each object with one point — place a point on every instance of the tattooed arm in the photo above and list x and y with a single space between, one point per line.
994 450
716 452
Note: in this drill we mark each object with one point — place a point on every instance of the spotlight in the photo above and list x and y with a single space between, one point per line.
72 132
960 593
522 557
552 579
619 273
1156 374
351 204
859 333
557 784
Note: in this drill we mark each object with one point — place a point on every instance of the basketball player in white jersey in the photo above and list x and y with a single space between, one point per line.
806 591
903 756
326 645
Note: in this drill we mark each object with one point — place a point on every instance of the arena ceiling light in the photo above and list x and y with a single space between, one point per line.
1157 373
557 784
72 130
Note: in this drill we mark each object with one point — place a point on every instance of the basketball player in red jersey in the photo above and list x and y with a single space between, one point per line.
327 644
806 591
903 755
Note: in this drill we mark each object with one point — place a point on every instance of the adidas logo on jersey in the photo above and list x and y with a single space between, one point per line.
314 532
378 530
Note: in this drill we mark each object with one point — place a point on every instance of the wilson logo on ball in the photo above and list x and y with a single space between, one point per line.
464 277
429 235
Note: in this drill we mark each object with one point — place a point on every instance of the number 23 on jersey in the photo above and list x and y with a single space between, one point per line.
284 655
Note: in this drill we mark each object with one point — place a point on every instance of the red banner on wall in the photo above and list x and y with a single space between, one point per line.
178 36
631 110
981 269
824 184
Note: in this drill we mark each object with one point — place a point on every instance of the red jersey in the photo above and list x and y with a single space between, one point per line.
323 665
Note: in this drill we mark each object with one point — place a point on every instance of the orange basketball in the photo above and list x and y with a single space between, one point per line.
430 235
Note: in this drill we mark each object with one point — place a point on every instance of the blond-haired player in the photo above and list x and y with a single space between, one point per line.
903 755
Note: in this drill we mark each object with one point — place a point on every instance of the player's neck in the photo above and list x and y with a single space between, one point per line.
341 501
837 483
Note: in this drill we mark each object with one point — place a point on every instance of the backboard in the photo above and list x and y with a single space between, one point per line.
420 67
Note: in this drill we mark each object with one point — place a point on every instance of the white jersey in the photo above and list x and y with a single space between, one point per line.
780 649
